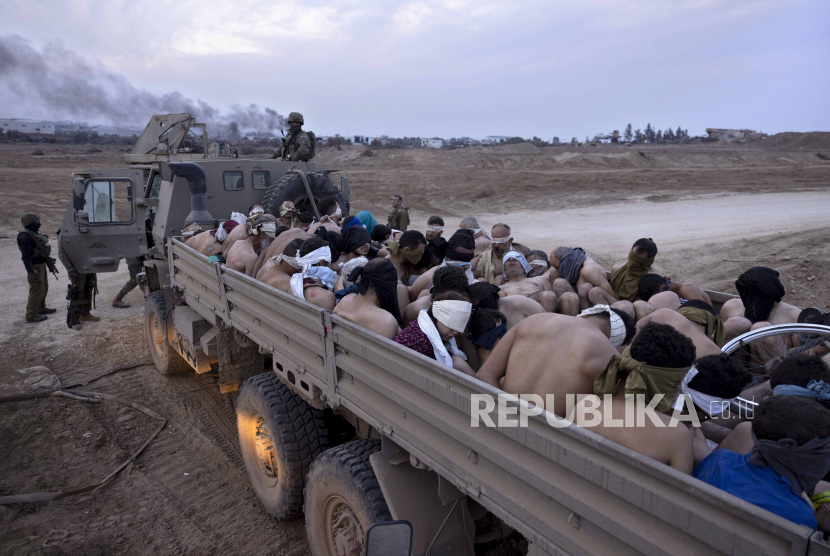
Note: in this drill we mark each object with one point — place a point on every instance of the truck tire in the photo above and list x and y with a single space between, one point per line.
290 188
279 435
167 361
342 499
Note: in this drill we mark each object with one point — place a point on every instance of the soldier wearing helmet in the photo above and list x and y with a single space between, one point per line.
297 144
35 252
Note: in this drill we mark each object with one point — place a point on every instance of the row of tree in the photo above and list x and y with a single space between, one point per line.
650 135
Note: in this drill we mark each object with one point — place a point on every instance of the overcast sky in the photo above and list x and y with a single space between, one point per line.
458 67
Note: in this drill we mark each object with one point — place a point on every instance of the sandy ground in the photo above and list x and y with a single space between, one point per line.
714 211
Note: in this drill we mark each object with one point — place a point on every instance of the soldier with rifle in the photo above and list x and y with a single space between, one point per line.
81 293
35 252
298 144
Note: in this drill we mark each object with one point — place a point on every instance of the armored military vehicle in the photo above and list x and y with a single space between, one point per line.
113 212
353 430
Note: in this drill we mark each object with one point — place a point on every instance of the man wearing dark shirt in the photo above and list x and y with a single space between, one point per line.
35 252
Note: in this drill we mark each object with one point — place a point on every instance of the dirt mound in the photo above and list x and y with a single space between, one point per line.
792 140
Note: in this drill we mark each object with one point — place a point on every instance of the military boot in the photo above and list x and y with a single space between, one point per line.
89 317
118 304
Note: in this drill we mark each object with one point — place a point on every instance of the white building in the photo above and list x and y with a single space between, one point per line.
28 126
493 139
120 131
432 143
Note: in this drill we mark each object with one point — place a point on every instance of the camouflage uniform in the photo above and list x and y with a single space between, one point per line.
35 252
135 265
81 292
297 144
399 218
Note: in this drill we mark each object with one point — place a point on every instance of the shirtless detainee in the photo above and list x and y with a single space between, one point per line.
584 277
445 279
658 347
692 330
625 277
458 252
760 306
356 243
278 245
539 263
540 289
310 275
515 308
480 236
244 254
657 290
375 306
551 354
330 215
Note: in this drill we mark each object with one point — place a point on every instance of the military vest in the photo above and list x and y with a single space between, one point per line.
42 247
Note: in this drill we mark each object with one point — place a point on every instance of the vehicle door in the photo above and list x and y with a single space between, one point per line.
106 222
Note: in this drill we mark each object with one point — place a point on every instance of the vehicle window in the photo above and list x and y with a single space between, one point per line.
108 201
156 187
233 181
261 179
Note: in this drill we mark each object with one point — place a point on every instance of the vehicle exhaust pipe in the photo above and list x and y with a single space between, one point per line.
195 177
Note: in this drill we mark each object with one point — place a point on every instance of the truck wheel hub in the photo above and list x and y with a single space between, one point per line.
158 337
263 443
344 535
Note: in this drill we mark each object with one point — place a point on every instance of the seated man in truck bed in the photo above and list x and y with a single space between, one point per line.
444 279
790 455
515 308
692 330
278 246
330 215
302 270
244 254
406 252
434 332
514 281
212 243
458 252
657 360
580 274
375 306
760 304
553 354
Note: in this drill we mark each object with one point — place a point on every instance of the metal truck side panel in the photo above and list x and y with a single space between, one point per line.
570 486
567 490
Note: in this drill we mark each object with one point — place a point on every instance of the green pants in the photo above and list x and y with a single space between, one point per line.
38 288
135 266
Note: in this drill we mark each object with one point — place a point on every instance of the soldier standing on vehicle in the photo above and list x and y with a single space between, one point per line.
297 145
399 217
35 251
81 292
135 266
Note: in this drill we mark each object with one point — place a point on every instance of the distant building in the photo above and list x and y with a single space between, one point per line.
496 138
363 139
120 131
432 143
28 126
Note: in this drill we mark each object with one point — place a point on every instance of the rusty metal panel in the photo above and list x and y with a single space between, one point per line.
567 490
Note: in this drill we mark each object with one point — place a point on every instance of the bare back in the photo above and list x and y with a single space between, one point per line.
242 257
671 446
556 354
517 308
238 233
368 316
693 331
278 246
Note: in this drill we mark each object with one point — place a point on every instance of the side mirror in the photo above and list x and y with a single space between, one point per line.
83 218
389 538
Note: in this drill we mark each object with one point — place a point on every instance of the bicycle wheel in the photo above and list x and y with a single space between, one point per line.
764 348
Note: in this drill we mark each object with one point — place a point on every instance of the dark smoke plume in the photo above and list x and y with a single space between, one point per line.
58 84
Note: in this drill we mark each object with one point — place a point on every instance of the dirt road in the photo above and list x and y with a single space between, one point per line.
713 213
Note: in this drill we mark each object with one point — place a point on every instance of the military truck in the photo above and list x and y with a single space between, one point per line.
114 211
350 429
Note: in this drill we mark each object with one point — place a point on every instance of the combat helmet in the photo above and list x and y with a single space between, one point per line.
296 117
